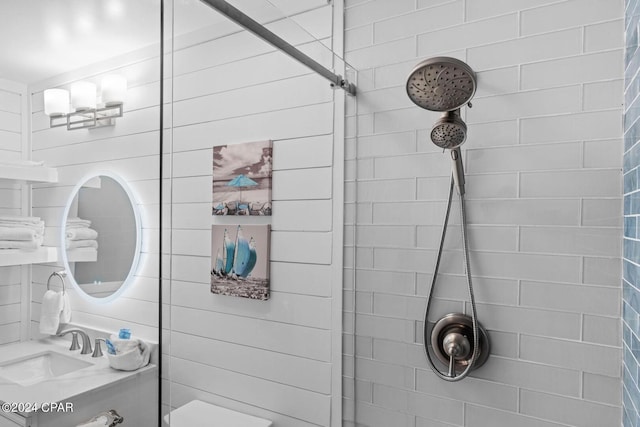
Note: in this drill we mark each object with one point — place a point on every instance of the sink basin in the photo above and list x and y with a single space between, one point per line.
40 367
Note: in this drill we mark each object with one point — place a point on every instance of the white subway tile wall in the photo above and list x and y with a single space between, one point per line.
12 98
544 187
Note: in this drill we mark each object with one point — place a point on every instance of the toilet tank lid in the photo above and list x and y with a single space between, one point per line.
196 412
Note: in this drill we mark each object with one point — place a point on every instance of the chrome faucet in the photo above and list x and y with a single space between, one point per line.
86 341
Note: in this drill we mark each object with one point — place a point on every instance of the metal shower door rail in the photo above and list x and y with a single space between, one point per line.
249 24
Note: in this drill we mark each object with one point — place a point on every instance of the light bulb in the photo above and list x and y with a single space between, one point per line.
83 96
56 102
114 89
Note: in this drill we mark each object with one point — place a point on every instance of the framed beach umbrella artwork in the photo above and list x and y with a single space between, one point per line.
242 176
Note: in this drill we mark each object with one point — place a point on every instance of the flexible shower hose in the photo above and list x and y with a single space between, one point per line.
465 252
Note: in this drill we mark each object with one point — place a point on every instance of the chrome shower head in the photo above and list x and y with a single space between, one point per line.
441 84
449 131
445 84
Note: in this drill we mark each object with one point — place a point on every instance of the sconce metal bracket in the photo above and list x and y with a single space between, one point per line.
88 119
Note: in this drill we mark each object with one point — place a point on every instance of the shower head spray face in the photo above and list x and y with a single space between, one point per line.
449 131
441 84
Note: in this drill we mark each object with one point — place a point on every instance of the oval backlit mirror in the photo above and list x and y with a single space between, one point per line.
101 235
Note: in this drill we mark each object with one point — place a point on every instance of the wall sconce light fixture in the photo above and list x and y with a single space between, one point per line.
83 108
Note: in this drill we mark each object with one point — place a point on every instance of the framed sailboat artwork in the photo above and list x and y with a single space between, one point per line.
242 179
240 260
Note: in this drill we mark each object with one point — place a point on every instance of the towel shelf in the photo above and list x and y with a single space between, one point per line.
43 254
31 174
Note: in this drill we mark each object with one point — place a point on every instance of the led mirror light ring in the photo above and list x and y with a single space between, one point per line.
138 244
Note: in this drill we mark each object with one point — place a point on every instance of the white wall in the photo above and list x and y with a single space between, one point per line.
129 149
12 136
278 358
543 160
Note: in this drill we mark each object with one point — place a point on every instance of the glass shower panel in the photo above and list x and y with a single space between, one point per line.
111 275
236 108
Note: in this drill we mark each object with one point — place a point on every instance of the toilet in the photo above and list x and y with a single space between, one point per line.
199 413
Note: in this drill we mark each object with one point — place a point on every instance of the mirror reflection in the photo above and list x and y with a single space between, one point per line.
101 235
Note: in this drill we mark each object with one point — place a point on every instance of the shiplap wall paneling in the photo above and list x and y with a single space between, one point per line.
14 318
268 358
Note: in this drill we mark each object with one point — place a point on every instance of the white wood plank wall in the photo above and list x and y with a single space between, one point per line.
11 104
272 358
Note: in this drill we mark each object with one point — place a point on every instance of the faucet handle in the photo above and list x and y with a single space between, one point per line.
117 418
97 351
74 342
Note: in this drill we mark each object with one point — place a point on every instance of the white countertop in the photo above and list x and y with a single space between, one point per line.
64 387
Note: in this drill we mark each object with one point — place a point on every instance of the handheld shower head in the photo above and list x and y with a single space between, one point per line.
441 84
449 131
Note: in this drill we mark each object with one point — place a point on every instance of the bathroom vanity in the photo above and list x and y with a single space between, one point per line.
68 387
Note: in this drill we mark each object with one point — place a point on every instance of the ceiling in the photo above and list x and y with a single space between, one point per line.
45 38
50 37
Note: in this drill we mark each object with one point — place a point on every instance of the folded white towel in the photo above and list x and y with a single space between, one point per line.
65 314
74 244
83 233
74 226
22 244
9 223
130 354
18 218
18 233
37 227
50 310
124 345
78 221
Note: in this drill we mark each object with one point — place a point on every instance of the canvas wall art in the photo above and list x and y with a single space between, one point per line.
242 179
240 260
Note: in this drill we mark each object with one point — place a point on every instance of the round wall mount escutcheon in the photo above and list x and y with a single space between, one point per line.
453 335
